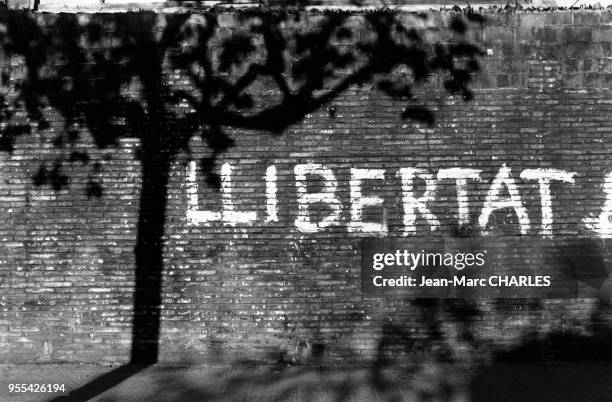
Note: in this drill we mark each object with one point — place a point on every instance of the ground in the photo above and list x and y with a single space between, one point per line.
428 381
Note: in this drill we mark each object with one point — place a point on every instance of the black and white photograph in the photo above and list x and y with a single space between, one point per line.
305 200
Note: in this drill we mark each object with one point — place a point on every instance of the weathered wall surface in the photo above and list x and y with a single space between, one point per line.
271 289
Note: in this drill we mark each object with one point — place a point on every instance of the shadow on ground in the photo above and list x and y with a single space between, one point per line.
426 381
542 366
559 366
569 381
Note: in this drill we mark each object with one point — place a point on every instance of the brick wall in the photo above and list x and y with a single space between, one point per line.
266 290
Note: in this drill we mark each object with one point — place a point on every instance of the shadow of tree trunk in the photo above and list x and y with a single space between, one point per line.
101 383
149 258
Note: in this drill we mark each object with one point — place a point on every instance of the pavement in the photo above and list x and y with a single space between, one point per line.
425 381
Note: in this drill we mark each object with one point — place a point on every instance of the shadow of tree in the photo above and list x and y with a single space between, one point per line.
122 90
563 364
557 367
428 381
115 83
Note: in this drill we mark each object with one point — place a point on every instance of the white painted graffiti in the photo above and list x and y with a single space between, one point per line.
503 193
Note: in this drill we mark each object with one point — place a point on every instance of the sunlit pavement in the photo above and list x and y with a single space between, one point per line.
431 381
